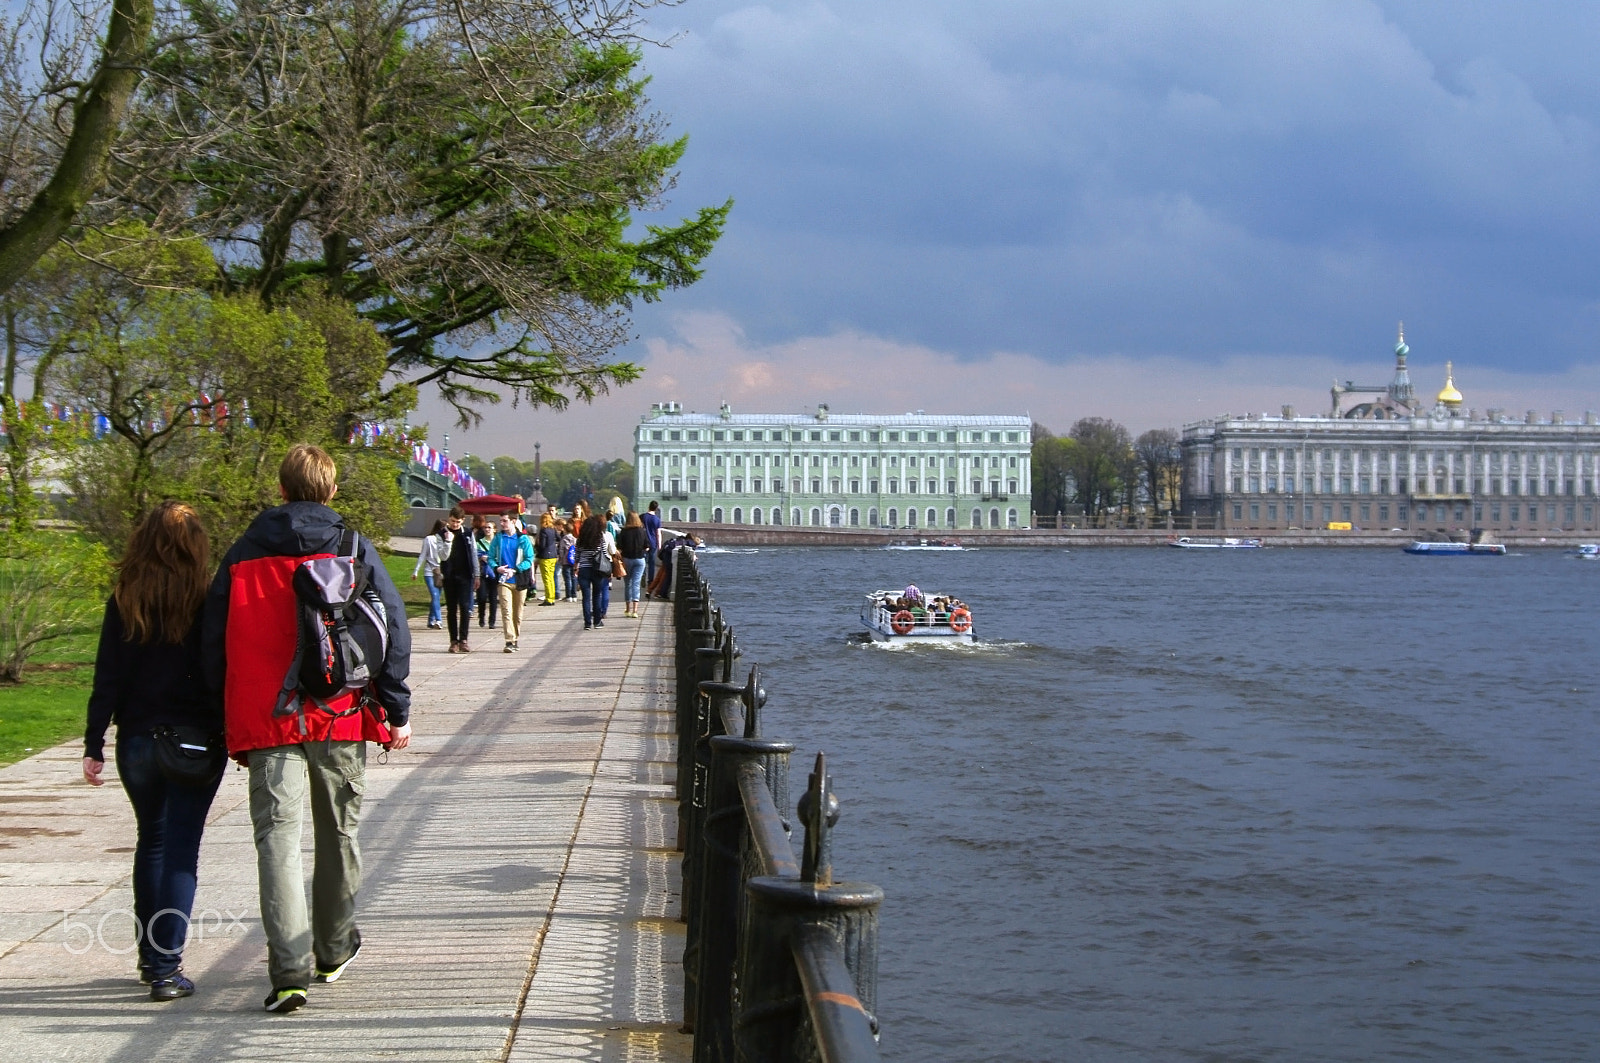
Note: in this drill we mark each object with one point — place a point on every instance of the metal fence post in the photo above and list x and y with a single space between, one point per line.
723 843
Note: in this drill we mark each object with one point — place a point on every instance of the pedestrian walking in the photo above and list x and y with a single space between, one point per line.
252 645
459 568
547 551
488 588
432 553
569 559
147 680
651 519
510 555
594 570
634 545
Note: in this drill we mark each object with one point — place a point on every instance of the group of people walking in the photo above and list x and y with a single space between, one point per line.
195 668
289 659
519 559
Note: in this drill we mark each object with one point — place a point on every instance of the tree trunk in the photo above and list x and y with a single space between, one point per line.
94 129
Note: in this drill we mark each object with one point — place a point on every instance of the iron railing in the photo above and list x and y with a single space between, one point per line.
781 961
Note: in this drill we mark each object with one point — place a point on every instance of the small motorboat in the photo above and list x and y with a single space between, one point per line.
916 616
1185 542
1586 552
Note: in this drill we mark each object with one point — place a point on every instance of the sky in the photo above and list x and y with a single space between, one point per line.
1154 212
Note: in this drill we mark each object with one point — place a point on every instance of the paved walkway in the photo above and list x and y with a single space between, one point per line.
520 895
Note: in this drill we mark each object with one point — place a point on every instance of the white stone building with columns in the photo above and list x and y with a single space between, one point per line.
1396 462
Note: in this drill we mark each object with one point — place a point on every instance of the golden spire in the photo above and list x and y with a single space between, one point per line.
1450 396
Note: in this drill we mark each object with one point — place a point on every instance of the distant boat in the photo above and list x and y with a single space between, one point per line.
1586 552
1480 544
925 544
1184 542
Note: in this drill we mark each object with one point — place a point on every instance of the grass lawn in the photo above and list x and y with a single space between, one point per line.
49 705
412 591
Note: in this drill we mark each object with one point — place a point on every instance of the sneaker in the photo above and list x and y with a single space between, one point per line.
517 645
509 647
331 974
599 623
171 987
586 627
286 999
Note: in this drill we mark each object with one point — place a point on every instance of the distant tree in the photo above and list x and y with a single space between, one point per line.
1161 466
1099 462
1052 471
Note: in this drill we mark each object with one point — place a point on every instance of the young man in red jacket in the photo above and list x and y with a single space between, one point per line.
248 647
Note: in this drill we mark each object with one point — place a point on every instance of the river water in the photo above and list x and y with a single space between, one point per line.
1281 804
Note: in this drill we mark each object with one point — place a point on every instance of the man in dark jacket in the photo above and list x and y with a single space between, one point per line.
248 647
460 572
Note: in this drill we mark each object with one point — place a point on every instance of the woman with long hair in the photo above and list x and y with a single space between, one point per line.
147 679
435 545
633 544
594 569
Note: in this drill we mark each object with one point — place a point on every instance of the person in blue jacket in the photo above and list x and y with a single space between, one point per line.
510 552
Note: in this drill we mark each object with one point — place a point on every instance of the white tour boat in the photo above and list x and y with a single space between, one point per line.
1586 552
1184 542
914 616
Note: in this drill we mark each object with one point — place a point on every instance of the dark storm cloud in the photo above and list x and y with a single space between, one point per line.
1142 179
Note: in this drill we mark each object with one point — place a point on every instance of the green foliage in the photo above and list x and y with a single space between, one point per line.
563 482
47 709
51 586
31 441
1053 460
465 173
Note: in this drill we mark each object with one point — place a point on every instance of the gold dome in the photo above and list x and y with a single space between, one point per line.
1450 396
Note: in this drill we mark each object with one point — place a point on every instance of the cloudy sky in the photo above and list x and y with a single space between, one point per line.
1149 211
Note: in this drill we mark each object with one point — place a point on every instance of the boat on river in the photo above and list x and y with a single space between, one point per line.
1187 542
1479 544
1585 552
927 544
913 616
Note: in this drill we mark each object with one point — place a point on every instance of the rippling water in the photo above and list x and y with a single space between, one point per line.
1234 805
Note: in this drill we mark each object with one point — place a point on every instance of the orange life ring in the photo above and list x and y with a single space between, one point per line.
960 621
902 622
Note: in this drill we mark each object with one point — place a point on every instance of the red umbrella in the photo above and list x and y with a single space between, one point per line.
490 505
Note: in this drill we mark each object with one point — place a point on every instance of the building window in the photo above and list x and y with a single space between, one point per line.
1327 512
656 434
716 485
1011 486
872 517
977 487
835 518
1366 512
1238 511
1011 517
674 514
872 487
911 518
738 515
834 437
1516 513
950 488
1403 512
694 514
794 517
1383 514
716 515
1255 513
855 437
1272 511
950 518
655 485
755 516
794 486
1494 512
755 485
816 518
738 485
833 485
816 487
855 518
894 518
1344 511
777 515
894 487
694 435
977 518
855 487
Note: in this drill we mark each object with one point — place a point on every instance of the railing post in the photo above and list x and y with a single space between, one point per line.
722 842
791 928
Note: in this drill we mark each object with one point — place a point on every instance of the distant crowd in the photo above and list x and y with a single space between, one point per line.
495 568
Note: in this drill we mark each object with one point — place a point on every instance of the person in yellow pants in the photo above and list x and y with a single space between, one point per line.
548 552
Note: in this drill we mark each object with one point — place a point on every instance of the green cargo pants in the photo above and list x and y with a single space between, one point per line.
280 778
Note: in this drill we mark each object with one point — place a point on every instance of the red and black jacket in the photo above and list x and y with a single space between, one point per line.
248 636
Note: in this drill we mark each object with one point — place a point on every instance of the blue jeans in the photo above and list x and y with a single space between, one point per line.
433 597
635 569
650 563
166 856
595 585
569 580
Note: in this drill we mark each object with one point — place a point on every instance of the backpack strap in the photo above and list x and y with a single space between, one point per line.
349 542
